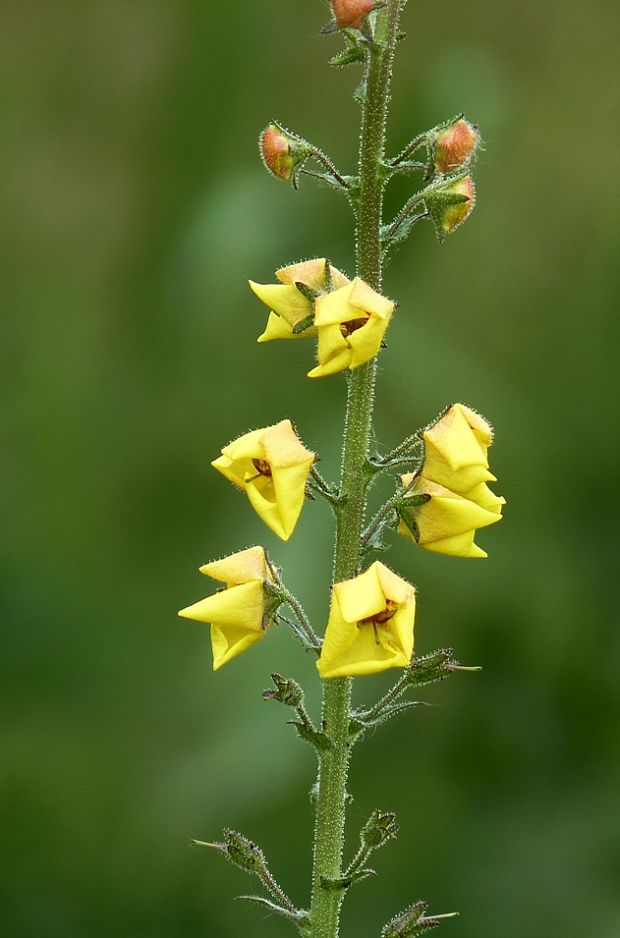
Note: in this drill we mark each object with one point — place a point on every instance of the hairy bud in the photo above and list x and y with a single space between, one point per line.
455 145
282 153
450 204
352 13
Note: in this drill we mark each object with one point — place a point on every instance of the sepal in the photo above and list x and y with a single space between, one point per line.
309 734
298 917
413 922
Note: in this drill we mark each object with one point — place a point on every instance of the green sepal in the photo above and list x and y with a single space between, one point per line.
431 668
319 740
344 882
239 850
330 180
303 324
300 917
307 292
413 922
414 501
362 721
388 241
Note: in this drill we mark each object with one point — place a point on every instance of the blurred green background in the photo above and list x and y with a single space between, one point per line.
134 208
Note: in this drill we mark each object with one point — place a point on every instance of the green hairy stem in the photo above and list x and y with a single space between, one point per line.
334 762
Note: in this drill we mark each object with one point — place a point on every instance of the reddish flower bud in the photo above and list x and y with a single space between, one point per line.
352 13
276 149
454 215
454 145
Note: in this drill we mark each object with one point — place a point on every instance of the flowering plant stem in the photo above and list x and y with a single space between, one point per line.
354 479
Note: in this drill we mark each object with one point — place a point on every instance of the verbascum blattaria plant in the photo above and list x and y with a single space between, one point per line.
442 495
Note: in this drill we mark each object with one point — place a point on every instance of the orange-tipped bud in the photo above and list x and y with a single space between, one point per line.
450 203
277 152
455 215
455 145
351 14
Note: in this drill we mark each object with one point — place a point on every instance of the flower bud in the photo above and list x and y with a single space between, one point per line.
242 852
380 827
351 13
286 691
451 204
454 145
282 153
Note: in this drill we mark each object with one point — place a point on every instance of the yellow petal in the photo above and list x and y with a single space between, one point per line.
312 273
278 328
364 297
334 308
239 606
242 567
284 299
228 641
333 352
362 596
393 586
461 545
247 446
282 446
483 496
453 440
366 341
447 514
483 431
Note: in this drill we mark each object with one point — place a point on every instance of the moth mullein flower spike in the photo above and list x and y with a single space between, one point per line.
271 465
454 474
351 324
370 625
239 614
292 300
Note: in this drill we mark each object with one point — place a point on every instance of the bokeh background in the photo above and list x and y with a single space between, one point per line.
134 207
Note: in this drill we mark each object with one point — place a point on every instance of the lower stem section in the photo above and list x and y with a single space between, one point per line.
330 808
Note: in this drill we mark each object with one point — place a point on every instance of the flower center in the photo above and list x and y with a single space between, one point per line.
380 618
262 467
352 326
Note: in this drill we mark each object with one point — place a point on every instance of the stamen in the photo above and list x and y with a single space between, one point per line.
353 325
262 466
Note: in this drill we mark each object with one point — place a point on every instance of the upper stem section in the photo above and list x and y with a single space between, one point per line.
380 61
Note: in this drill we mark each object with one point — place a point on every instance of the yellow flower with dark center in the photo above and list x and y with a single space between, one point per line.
370 625
454 475
351 323
240 613
291 306
271 465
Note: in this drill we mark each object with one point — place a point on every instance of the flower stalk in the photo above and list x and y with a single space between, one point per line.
334 762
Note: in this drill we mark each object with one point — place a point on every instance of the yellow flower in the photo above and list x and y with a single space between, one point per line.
271 465
447 522
454 475
370 625
291 306
351 323
240 613
455 450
